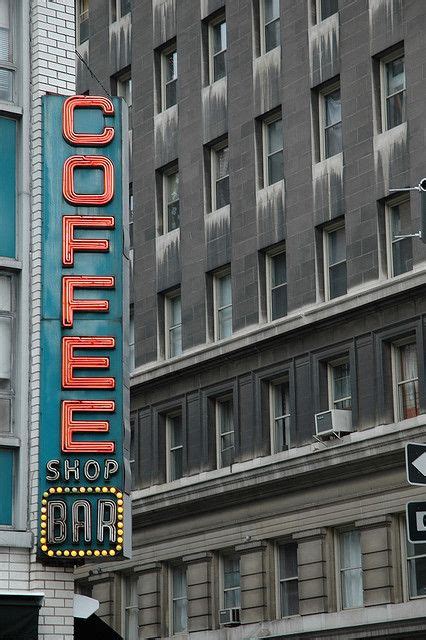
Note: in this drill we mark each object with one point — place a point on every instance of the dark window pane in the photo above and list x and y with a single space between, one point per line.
83 31
333 108
279 269
279 302
125 7
219 37
170 94
328 7
275 136
417 573
395 76
272 10
409 400
173 221
113 5
337 246
288 560
272 35
289 598
232 598
395 108
338 285
222 193
176 464
275 167
282 425
333 140
219 64
402 256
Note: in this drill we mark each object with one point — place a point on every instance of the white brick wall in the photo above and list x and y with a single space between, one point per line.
52 70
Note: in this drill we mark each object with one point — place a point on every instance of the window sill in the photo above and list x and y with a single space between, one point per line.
16 539
10 263
9 108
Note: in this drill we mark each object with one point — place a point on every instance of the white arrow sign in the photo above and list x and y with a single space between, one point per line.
420 464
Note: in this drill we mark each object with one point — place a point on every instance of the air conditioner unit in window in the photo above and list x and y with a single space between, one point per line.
230 617
333 423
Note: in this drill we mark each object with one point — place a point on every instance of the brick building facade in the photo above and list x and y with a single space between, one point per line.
270 287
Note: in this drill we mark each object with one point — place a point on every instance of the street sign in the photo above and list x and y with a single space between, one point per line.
415 460
416 521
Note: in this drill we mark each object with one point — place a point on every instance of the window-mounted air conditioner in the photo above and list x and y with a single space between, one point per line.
334 422
230 617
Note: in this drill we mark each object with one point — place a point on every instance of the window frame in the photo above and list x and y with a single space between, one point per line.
222 589
163 75
272 385
338 569
218 20
168 327
318 12
218 401
79 14
331 365
263 24
172 599
270 255
12 65
322 115
385 60
326 254
405 558
217 276
278 582
395 346
389 206
129 581
117 10
266 122
213 173
165 175
169 416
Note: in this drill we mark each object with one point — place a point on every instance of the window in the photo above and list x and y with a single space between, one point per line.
131 608
6 486
326 8
132 338
82 21
174 439
280 413
335 261
339 384
277 289
8 187
399 249
288 596
416 567
118 9
6 342
393 91
220 176
173 317
225 431
350 567
223 305
171 213
217 47
330 111
6 51
270 21
179 600
124 90
168 78
406 375
231 582
273 151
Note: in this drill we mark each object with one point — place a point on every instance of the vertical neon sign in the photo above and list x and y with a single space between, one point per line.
84 433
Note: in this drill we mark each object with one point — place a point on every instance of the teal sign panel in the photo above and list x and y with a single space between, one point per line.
8 187
84 432
6 486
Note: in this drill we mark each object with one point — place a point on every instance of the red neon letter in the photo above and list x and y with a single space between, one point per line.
88 162
71 362
69 426
86 139
70 304
71 244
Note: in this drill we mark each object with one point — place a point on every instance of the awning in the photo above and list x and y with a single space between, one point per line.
93 628
19 616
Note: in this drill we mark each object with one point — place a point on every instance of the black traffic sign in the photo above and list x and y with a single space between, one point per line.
415 460
416 521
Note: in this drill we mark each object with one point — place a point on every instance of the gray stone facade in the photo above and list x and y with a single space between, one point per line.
313 492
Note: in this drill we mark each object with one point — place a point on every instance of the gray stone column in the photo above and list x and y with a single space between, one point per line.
381 579
149 599
314 586
253 565
199 585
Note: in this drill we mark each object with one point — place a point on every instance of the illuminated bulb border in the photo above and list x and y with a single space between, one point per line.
81 553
